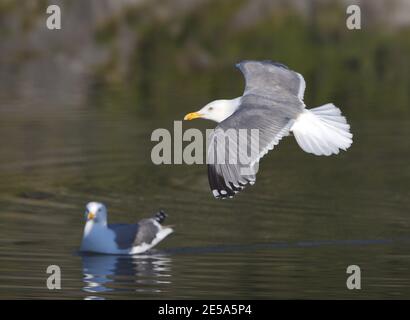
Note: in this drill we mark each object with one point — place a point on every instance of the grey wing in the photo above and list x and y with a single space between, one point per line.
124 234
272 80
237 143
148 230
130 235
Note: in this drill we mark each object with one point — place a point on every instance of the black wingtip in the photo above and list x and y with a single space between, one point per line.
160 216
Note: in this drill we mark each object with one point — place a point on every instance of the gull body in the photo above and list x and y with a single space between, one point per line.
101 237
273 104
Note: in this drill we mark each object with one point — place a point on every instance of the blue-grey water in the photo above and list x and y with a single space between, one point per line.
292 235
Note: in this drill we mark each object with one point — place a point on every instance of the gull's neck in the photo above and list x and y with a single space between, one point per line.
91 226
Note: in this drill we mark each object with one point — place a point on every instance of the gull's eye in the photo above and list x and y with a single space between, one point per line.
210 108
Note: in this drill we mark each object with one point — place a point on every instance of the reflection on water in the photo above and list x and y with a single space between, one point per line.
303 269
141 273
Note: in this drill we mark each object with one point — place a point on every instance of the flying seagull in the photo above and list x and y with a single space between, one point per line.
134 238
273 104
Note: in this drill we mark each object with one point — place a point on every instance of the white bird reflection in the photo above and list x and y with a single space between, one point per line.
121 273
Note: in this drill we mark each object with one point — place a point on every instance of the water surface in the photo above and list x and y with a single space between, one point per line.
292 235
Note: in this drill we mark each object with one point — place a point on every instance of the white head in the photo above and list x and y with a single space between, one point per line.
96 212
217 110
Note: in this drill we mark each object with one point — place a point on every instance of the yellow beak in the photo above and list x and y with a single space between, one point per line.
90 216
192 116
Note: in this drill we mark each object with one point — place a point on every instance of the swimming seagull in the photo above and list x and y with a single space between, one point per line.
272 103
101 237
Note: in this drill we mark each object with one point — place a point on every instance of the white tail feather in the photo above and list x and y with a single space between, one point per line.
322 130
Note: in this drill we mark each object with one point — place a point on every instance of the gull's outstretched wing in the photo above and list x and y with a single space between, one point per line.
271 102
232 161
272 80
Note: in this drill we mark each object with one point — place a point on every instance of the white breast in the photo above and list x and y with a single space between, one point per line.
98 238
